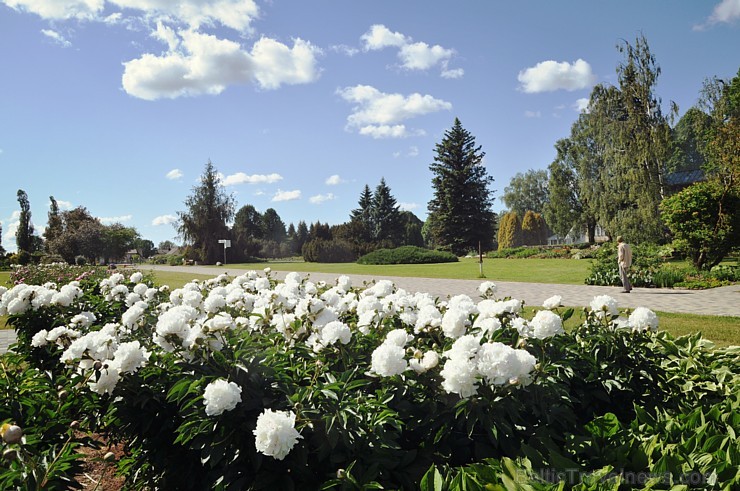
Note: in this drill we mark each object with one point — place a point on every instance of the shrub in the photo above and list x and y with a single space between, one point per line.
407 255
328 251
509 231
340 366
80 260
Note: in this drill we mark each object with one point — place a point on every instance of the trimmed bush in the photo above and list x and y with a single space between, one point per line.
328 251
407 255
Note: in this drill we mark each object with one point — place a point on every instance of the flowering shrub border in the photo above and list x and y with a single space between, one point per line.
249 383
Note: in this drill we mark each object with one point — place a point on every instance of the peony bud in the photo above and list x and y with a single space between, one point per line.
97 365
10 454
74 425
12 434
63 394
341 473
109 457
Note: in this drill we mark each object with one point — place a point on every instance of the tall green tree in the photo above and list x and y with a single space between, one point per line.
273 227
564 210
24 235
509 231
53 224
362 217
412 226
460 215
689 140
209 209
116 241
527 191
386 216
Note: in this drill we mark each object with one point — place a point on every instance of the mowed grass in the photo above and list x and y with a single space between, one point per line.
723 331
562 271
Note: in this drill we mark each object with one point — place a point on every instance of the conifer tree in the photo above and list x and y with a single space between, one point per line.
386 217
24 234
54 223
460 215
509 231
209 208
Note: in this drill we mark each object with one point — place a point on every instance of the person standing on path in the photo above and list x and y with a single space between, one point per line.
624 259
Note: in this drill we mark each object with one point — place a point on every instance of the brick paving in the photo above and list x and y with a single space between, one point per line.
723 301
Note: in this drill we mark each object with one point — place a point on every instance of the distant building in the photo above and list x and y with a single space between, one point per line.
578 236
676 181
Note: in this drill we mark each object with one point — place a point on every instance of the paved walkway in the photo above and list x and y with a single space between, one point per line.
717 301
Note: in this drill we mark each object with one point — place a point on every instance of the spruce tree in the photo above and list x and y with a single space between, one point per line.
362 217
54 226
386 217
209 208
460 215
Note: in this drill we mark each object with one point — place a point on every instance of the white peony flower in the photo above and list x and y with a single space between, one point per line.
454 323
546 324
275 435
39 339
603 305
136 277
107 378
388 360
335 331
460 377
129 357
398 337
553 302
220 396
487 289
643 319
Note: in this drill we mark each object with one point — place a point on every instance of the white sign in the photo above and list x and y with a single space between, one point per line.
226 243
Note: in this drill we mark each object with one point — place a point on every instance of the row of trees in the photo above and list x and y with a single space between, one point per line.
460 216
619 166
74 235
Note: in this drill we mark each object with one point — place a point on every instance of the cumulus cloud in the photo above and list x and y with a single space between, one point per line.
10 227
286 195
725 12
59 9
56 37
164 220
64 205
407 206
119 219
344 49
321 198
174 174
198 64
379 115
412 56
548 76
581 104
334 180
242 178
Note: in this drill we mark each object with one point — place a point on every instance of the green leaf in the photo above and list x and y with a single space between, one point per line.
432 480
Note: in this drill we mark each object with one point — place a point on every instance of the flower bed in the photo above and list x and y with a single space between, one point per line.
247 383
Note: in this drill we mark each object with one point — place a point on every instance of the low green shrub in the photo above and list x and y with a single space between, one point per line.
328 251
407 255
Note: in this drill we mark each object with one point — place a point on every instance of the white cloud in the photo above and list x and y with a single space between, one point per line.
59 9
407 206
413 151
164 220
379 37
379 115
413 56
320 198
9 230
174 174
549 75
727 11
581 104
242 178
532 114
344 49
334 180
120 219
64 205
198 64
286 195
56 37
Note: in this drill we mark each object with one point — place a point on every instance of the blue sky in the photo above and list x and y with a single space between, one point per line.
117 105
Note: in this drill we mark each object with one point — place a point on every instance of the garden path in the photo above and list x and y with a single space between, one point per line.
716 301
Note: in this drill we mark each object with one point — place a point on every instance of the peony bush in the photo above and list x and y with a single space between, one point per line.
249 383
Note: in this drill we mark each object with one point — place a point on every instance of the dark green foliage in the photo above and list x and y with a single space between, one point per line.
407 255
706 218
24 235
54 226
209 209
328 251
460 216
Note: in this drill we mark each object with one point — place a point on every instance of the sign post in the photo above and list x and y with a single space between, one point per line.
227 244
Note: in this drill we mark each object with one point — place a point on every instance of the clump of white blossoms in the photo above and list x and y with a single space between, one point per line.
275 433
220 396
388 360
643 319
553 302
546 324
603 305
488 289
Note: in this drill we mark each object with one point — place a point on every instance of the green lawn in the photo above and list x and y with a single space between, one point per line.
563 271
